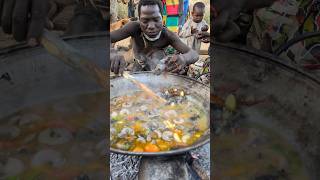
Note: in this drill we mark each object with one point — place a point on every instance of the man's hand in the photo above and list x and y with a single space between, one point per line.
227 12
176 64
118 64
24 19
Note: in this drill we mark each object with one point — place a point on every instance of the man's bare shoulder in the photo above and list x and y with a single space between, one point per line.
172 36
133 25
131 28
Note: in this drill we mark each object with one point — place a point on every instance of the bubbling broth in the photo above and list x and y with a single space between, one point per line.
64 139
141 124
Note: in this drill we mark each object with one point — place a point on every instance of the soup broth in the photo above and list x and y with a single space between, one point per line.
60 140
256 152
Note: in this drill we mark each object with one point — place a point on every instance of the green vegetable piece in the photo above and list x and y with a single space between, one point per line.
231 103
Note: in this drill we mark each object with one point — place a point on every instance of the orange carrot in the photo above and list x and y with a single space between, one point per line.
151 148
138 149
130 118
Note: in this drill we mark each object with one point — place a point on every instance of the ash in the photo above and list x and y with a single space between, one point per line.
123 167
202 157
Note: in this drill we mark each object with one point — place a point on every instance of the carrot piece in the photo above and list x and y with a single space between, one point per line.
138 149
151 148
178 131
163 146
137 127
130 118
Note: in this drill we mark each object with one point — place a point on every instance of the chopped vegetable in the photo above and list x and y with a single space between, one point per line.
138 149
231 103
176 137
151 148
163 146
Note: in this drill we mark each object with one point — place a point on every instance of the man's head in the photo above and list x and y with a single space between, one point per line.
150 16
198 12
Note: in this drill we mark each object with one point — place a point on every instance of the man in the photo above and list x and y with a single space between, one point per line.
149 40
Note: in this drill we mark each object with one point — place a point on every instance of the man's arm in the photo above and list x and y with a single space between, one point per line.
187 54
117 61
126 31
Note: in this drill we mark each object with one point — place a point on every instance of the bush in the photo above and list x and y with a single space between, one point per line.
122 10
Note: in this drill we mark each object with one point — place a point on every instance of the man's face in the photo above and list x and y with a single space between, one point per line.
197 15
150 20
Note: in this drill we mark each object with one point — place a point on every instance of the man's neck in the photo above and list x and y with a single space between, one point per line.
152 39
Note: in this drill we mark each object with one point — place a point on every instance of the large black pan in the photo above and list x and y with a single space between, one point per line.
31 77
292 97
120 86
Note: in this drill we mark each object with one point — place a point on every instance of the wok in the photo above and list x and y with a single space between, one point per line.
290 97
30 77
120 86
